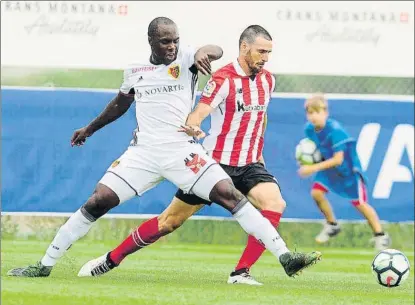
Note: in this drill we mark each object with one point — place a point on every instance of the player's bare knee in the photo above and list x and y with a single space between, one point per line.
275 205
102 200
317 195
361 205
225 194
173 224
267 197
164 227
278 205
169 224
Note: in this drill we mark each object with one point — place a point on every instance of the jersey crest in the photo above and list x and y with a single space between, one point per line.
174 71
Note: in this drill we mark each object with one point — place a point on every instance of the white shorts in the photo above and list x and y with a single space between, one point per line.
141 168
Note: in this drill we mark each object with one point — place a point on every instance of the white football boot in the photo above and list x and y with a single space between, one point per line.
97 267
327 232
242 276
382 242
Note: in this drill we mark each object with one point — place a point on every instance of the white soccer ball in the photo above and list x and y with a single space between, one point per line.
391 268
306 152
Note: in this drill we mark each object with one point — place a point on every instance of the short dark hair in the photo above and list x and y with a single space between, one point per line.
154 25
252 32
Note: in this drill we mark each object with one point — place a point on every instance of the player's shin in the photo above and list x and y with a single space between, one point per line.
254 248
255 224
76 227
146 234
372 217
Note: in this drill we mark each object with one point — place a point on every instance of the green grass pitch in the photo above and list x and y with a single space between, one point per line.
183 274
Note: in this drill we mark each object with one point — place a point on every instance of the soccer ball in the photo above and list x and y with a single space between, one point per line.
390 267
306 152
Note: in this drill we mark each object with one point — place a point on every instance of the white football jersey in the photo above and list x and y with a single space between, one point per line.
164 97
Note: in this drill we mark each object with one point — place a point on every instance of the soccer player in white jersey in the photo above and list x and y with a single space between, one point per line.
163 89
237 96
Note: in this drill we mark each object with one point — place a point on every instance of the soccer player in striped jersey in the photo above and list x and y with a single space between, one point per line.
237 97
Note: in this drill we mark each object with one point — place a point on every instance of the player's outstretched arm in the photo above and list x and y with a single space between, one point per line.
213 51
205 55
115 109
336 160
195 119
197 116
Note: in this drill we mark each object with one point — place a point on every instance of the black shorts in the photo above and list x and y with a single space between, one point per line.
244 178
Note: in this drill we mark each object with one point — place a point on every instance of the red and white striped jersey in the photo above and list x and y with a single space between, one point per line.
236 134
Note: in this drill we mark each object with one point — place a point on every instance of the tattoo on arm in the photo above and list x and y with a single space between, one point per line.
225 194
115 109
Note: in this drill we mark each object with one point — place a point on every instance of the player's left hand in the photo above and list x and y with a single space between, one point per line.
193 131
202 62
80 135
306 170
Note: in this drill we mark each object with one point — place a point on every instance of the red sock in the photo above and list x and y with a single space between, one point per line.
254 249
146 234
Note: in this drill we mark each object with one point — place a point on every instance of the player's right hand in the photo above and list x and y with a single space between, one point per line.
193 131
80 135
202 62
306 170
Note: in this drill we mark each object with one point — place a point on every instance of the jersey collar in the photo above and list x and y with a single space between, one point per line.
238 68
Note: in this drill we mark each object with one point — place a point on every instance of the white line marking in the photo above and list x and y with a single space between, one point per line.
196 217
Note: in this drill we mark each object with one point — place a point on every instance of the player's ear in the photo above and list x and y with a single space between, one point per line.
150 40
244 47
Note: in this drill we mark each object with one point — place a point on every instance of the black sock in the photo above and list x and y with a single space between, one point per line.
240 271
110 262
332 223
379 234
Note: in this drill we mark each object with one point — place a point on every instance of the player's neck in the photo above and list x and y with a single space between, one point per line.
244 66
319 128
155 61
